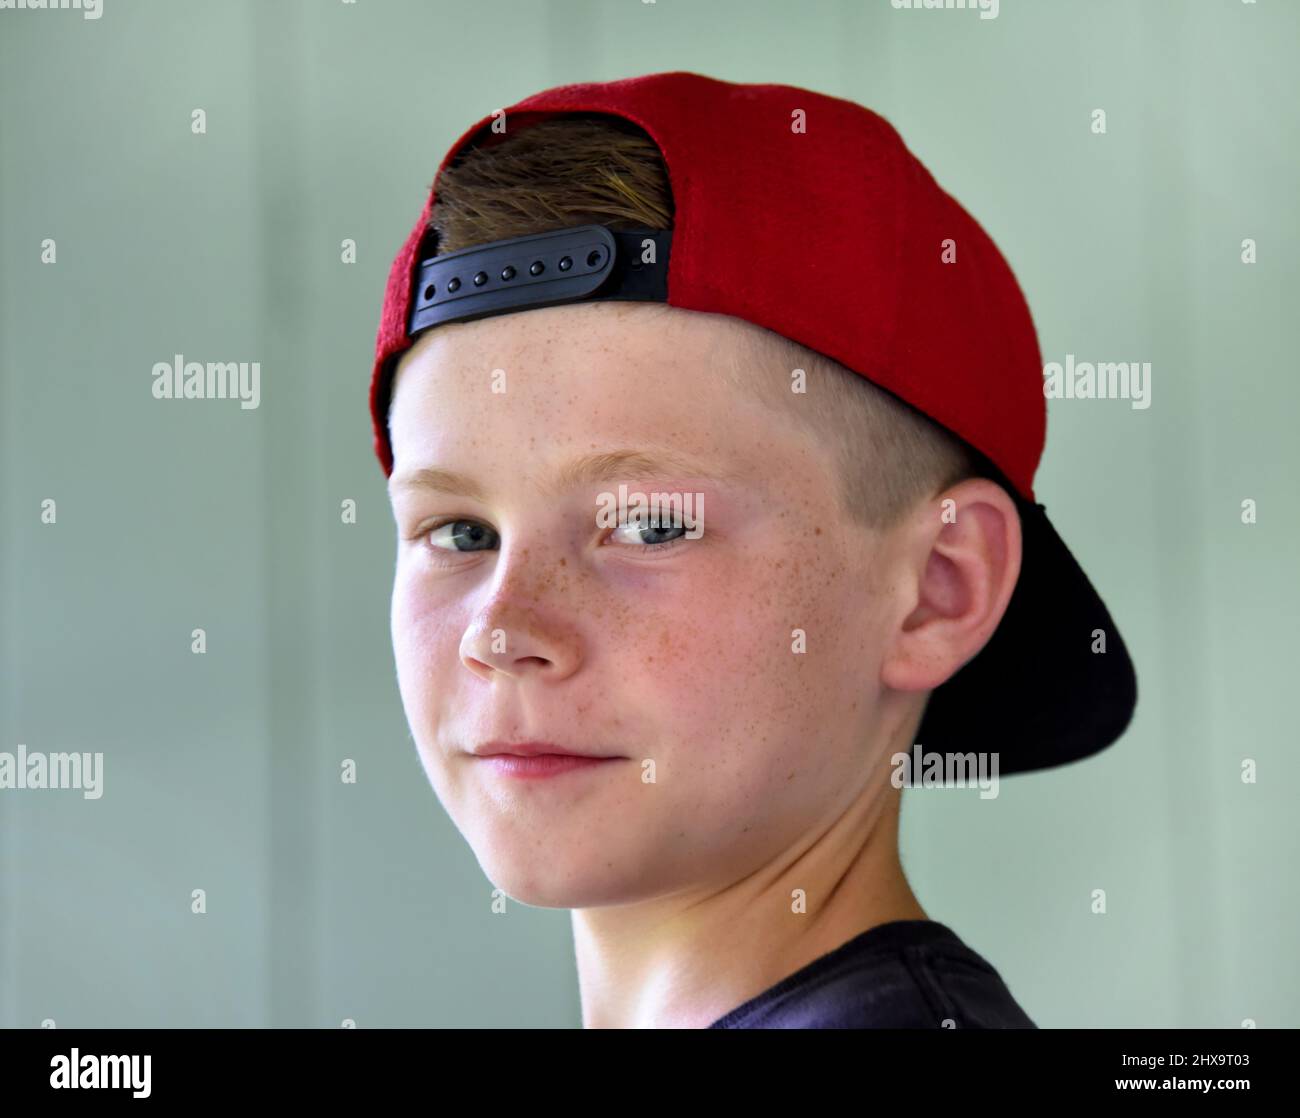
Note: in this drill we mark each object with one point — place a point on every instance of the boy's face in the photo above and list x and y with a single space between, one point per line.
538 622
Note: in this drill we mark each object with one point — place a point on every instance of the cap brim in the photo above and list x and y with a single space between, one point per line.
1038 694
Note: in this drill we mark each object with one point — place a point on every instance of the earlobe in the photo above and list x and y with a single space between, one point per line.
963 559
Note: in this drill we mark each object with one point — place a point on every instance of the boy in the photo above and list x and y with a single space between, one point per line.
710 424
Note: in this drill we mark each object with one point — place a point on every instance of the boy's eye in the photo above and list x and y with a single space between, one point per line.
462 535
648 533
635 531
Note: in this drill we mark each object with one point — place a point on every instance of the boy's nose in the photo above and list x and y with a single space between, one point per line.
520 639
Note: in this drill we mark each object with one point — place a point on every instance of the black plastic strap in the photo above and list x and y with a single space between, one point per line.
580 264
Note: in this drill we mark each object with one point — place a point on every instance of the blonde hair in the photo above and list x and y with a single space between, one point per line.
587 168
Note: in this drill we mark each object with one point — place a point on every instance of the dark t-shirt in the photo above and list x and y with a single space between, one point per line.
906 974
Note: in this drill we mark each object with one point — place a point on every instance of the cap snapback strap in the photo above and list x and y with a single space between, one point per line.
579 264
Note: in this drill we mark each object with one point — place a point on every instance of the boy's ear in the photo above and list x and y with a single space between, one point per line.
959 561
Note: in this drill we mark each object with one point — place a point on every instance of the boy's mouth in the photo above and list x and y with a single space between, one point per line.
541 766
538 749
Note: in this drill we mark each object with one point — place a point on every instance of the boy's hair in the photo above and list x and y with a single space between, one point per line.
591 168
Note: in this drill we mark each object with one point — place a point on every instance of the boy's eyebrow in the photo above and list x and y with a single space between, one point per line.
606 465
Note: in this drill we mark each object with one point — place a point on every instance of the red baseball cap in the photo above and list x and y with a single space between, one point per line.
806 214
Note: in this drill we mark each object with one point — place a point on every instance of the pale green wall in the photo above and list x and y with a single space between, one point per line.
326 120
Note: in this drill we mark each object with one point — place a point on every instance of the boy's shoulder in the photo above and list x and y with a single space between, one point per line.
905 974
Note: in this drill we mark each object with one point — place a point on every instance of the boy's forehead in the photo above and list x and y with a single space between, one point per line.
636 349
610 377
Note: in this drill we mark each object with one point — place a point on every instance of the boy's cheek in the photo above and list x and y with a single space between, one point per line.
426 640
718 685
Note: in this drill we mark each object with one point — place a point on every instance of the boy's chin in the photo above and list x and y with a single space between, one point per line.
547 879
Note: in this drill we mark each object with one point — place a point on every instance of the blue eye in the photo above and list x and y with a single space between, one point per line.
655 526
465 535
648 533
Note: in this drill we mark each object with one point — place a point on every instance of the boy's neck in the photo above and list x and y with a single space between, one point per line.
683 964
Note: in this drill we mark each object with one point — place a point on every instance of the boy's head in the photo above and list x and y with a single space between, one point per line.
751 657
754 680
